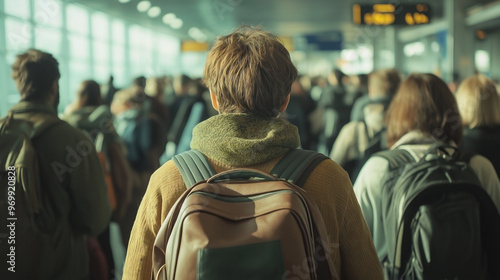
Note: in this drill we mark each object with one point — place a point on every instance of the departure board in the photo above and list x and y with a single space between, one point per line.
391 14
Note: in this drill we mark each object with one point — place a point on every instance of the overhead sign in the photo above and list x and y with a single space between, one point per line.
287 42
391 14
193 46
326 41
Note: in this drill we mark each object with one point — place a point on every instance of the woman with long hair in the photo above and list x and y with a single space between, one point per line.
423 113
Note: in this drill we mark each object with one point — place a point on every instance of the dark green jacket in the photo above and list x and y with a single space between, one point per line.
73 180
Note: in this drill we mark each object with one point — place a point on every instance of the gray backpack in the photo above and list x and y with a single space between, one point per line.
439 222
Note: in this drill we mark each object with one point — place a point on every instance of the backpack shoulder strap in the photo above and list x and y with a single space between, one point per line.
296 165
365 126
396 157
193 166
39 125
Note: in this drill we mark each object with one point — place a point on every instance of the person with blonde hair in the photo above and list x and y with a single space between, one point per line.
479 104
249 74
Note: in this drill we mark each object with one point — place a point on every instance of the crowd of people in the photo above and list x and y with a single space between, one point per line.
250 91
134 133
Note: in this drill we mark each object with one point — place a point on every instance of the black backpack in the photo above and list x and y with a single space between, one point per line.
438 220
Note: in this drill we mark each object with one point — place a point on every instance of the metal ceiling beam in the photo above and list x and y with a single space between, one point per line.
483 14
409 34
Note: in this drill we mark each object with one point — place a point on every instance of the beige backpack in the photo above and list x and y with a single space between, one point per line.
244 224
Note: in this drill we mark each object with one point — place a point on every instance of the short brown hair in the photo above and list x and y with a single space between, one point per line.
34 73
132 97
249 71
89 94
384 82
425 103
478 101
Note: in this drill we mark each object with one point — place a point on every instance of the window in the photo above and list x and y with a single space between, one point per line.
100 26
9 86
120 75
169 54
77 19
137 62
193 63
17 34
118 31
101 51
136 36
101 72
87 44
147 40
79 47
18 8
79 72
48 13
119 54
48 40
118 69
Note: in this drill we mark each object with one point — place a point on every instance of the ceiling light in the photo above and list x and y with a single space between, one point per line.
176 23
169 18
197 34
123 1
143 6
193 32
201 37
154 11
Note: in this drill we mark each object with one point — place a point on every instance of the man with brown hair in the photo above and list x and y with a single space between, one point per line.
73 192
249 74
382 85
359 139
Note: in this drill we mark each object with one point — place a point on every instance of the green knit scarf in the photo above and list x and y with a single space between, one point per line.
244 139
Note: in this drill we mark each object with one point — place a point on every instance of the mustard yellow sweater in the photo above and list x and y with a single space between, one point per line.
224 137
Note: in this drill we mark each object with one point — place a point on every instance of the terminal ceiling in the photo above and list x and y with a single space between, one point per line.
218 17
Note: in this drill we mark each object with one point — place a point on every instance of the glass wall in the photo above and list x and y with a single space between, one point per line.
88 45
427 55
